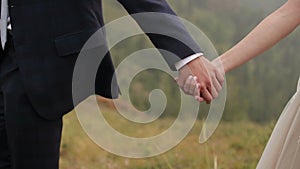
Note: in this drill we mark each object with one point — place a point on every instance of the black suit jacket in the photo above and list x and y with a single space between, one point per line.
49 34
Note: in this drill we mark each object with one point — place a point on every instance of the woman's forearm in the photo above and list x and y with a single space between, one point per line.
271 30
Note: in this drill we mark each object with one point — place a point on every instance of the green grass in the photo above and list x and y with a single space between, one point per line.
236 145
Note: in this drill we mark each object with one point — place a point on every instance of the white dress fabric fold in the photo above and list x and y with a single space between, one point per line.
283 148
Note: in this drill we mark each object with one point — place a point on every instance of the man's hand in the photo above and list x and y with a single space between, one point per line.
201 79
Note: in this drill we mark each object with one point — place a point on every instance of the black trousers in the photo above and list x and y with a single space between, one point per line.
27 141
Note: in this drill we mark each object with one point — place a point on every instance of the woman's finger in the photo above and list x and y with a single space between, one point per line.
199 98
197 90
193 85
187 84
217 85
214 92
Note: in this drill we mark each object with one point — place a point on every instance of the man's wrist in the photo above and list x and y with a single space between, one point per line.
187 60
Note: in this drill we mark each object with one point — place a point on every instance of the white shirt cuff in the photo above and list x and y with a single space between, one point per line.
187 60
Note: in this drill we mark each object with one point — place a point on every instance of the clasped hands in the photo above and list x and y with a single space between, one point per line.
202 79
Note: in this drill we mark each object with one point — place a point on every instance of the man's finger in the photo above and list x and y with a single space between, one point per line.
206 95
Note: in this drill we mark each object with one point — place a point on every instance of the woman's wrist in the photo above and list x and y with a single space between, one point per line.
218 63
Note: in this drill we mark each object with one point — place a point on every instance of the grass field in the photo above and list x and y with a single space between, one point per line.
236 145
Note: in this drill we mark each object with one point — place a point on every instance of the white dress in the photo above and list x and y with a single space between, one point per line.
283 148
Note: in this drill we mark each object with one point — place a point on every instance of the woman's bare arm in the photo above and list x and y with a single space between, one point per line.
271 30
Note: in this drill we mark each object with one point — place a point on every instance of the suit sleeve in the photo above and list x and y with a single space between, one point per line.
165 30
